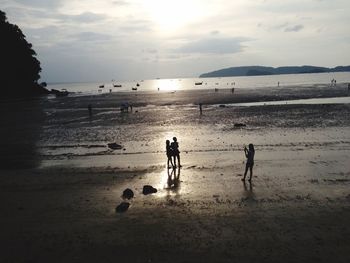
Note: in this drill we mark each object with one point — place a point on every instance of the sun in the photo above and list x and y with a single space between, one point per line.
170 15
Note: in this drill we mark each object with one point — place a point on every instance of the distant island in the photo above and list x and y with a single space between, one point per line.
260 70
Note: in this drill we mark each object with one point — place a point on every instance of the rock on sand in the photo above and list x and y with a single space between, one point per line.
148 189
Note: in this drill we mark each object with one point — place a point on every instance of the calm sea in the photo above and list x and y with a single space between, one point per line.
207 83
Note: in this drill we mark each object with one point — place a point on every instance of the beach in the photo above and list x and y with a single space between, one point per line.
60 183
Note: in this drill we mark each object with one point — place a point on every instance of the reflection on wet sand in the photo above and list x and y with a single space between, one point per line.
173 181
248 192
173 178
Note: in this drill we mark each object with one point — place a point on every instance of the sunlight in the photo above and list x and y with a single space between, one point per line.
173 14
168 84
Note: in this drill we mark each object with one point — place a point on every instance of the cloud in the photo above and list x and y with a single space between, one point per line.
120 3
295 28
213 46
150 50
86 17
91 37
134 28
41 3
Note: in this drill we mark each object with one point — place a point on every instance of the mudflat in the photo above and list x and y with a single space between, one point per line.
60 183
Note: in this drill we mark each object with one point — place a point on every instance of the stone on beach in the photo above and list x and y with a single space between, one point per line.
128 193
238 125
148 189
122 207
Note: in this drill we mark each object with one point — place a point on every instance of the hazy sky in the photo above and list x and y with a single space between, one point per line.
100 40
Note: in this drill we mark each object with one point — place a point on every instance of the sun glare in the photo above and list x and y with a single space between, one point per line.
168 84
171 15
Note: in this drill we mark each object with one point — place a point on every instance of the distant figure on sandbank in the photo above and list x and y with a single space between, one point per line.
249 154
90 110
200 108
333 83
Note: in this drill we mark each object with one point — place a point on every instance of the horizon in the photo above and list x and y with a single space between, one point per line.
127 40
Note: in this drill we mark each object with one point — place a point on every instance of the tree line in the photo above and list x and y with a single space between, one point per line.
19 67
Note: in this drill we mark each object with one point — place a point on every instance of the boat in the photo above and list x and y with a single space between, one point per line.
198 83
60 93
101 86
134 88
117 85
114 146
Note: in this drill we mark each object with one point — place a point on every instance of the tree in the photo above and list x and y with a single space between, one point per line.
19 67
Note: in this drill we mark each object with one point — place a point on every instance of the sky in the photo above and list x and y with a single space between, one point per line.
100 40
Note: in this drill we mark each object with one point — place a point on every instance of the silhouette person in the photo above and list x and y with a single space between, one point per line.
169 153
90 110
176 152
200 108
249 154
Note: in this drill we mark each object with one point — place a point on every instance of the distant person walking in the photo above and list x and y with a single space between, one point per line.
90 110
200 108
169 153
249 154
176 152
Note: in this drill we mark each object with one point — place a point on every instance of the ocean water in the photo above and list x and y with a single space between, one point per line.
245 82
337 100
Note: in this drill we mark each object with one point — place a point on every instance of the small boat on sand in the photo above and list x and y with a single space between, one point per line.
101 86
114 146
198 83
117 85
60 93
133 88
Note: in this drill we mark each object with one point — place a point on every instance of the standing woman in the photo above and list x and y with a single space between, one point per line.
249 154
176 152
169 154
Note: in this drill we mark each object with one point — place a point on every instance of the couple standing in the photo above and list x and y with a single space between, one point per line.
172 152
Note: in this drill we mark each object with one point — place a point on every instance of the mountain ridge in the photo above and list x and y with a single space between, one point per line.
262 70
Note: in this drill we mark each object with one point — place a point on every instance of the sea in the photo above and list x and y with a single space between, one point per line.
60 131
244 82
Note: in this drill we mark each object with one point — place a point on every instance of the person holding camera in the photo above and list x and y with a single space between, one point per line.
249 154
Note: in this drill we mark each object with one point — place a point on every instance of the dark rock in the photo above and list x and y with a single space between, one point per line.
148 189
128 193
123 207
238 125
222 106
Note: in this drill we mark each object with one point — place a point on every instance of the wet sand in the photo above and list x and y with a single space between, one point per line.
58 196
